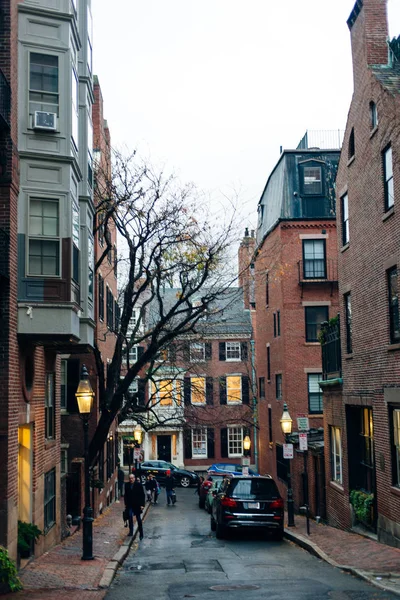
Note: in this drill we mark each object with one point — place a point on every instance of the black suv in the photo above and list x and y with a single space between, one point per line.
248 502
159 469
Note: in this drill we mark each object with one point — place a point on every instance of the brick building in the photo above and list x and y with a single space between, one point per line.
295 275
362 391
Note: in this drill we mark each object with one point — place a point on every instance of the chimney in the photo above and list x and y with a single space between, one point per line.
369 31
245 257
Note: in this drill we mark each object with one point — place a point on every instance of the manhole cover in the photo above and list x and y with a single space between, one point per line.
228 588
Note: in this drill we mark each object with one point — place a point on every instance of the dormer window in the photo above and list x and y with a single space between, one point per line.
312 180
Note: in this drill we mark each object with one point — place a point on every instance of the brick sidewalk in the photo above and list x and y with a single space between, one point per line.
60 573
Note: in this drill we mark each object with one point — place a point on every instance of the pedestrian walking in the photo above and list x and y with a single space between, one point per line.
169 487
151 488
134 502
121 481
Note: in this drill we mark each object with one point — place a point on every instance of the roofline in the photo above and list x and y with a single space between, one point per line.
288 220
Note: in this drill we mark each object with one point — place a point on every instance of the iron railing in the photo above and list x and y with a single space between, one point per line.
317 270
325 139
5 100
330 347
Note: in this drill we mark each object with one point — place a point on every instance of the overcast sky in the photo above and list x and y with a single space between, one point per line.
213 88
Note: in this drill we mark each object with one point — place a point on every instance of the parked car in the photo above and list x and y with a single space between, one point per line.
212 492
248 502
234 468
159 469
205 486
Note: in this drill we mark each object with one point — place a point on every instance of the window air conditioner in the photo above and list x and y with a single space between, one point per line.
45 120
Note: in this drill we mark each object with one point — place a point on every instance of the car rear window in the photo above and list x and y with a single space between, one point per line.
215 478
253 489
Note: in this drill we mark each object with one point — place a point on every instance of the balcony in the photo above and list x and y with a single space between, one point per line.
5 102
317 272
331 350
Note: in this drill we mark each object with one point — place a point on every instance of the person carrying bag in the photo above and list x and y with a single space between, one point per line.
134 503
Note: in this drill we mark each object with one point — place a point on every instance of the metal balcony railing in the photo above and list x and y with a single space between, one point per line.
317 270
331 351
5 101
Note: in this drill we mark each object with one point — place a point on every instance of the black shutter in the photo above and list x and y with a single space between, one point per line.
141 392
209 390
172 353
224 443
208 350
73 376
244 351
245 389
210 443
274 324
186 352
186 390
222 353
222 390
140 351
187 441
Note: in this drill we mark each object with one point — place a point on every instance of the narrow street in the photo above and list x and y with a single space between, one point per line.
181 558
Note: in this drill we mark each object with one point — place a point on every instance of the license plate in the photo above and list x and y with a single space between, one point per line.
253 505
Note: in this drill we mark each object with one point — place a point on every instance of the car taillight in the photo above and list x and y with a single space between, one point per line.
228 502
277 503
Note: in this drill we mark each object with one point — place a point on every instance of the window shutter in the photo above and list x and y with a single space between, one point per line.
73 376
187 440
140 351
224 443
244 351
222 390
209 390
208 350
222 352
186 352
245 389
141 392
172 353
186 391
210 443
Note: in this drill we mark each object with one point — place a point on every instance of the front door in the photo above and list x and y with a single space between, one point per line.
164 447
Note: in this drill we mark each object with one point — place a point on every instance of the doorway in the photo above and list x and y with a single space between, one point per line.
164 447
25 473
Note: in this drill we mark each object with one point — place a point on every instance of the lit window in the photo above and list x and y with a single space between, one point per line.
336 455
235 441
44 242
198 390
199 443
232 350
165 392
233 389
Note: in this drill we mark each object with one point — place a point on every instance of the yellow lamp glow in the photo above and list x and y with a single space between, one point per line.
286 420
84 394
138 433
247 443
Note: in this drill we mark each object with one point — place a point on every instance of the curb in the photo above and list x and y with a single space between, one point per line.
316 551
118 558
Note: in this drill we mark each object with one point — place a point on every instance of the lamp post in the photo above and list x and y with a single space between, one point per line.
84 396
137 434
247 445
286 424
131 447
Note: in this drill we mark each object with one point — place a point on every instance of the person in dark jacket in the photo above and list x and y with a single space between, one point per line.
134 502
151 488
121 481
169 487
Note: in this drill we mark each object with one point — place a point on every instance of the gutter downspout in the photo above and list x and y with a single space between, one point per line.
254 393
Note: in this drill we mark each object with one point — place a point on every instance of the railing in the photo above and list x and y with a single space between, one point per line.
317 271
330 347
5 100
324 139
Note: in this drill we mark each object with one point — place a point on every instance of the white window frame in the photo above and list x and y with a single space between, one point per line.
336 455
199 443
396 443
312 379
388 176
63 385
233 348
199 351
198 377
240 399
176 392
133 354
53 106
44 238
235 438
64 459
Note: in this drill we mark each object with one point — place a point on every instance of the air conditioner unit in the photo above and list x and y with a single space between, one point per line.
45 120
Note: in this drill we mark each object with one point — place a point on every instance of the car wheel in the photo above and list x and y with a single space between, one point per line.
219 531
213 524
278 535
185 482
201 502
143 479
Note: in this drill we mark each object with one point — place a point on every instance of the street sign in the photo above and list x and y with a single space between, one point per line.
246 461
245 471
302 423
136 453
303 443
287 450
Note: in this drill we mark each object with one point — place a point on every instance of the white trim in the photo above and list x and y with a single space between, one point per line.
313 236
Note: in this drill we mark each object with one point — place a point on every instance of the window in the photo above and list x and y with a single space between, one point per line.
110 309
44 243
64 461
336 455
233 389
132 355
373 113
388 176
101 298
115 261
198 390
352 144
74 107
232 350
199 443
100 228
314 259
267 289
278 322
312 180
314 316
117 316
278 386
63 385
315 404
75 242
167 391
49 499
367 445
90 147
235 441
396 447
345 219
90 267
43 83
89 40
197 352
261 386
393 305
269 363
49 407
347 313
282 464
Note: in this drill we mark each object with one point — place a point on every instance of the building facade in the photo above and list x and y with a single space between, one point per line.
362 390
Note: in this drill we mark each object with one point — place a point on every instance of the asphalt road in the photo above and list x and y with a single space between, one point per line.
180 557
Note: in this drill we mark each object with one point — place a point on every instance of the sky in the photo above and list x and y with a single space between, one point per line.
212 89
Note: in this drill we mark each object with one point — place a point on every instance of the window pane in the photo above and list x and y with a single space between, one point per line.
312 180
388 163
165 392
234 388
198 390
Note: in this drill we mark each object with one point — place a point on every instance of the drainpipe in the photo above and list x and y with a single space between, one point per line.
254 393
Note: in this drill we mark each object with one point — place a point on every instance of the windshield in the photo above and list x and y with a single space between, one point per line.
253 489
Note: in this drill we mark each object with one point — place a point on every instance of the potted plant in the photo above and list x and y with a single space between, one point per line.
362 504
28 533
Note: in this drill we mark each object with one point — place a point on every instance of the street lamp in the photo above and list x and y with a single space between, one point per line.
131 447
286 425
84 396
137 434
247 445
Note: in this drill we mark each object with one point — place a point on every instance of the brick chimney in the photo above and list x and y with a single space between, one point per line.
368 25
246 277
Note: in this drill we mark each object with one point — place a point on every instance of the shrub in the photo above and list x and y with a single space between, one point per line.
362 504
28 533
8 572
